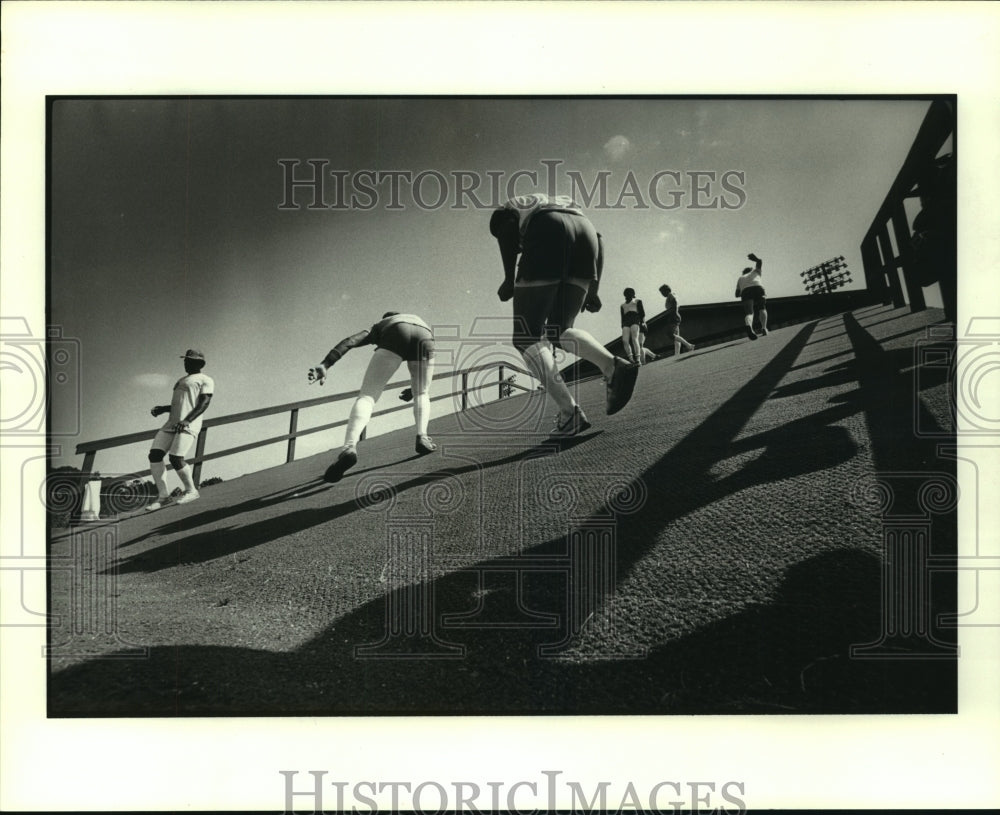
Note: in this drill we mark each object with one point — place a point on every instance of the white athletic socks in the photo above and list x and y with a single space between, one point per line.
361 414
184 474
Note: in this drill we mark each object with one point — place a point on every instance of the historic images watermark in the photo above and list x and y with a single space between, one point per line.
311 183
547 794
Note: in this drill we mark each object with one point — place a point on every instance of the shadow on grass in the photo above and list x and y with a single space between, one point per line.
791 654
215 543
786 656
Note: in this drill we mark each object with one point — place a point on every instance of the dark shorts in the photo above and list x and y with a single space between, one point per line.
545 311
411 342
558 245
753 298
673 329
630 318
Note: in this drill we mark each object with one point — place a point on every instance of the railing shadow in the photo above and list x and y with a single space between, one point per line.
217 543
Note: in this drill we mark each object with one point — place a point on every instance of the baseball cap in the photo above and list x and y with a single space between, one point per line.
192 354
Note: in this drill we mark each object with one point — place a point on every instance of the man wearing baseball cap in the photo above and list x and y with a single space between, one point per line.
192 394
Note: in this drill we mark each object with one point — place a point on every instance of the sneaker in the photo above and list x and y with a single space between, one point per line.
425 445
763 331
159 503
347 459
750 333
620 385
188 497
576 423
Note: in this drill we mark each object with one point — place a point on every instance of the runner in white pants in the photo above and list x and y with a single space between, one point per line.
397 338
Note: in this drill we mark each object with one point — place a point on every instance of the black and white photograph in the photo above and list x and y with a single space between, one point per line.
556 507
352 411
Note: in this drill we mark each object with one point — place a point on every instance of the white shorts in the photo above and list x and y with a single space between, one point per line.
175 444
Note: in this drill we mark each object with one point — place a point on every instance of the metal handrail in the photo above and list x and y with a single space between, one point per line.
89 449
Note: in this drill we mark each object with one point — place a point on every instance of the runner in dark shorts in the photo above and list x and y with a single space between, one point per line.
558 276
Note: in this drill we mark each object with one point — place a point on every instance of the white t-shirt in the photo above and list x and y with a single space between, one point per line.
187 389
751 278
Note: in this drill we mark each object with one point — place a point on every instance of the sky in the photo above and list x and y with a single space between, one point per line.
173 226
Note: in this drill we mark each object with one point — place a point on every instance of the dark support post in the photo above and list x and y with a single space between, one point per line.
889 268
293 426
874 277
938 126
500 386
88 461
902 231
199 451
465 390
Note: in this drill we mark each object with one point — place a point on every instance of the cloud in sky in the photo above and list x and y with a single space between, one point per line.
617 147
674 228
153 380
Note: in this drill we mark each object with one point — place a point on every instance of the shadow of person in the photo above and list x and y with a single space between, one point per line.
788 655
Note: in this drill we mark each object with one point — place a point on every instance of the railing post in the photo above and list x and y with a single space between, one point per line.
199 451
88 461
293 426
500 386
465 390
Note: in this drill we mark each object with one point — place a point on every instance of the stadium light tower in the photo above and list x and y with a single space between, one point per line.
829 275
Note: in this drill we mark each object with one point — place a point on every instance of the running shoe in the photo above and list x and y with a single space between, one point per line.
425 445
620 385
187 497
347 459
750 333
576 423
763 331
159 503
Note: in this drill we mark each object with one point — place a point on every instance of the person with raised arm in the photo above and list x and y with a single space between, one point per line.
751 292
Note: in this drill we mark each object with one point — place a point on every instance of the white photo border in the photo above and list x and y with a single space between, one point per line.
320 48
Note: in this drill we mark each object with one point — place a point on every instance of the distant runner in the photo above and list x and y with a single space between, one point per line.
673 318
633 315
751 291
